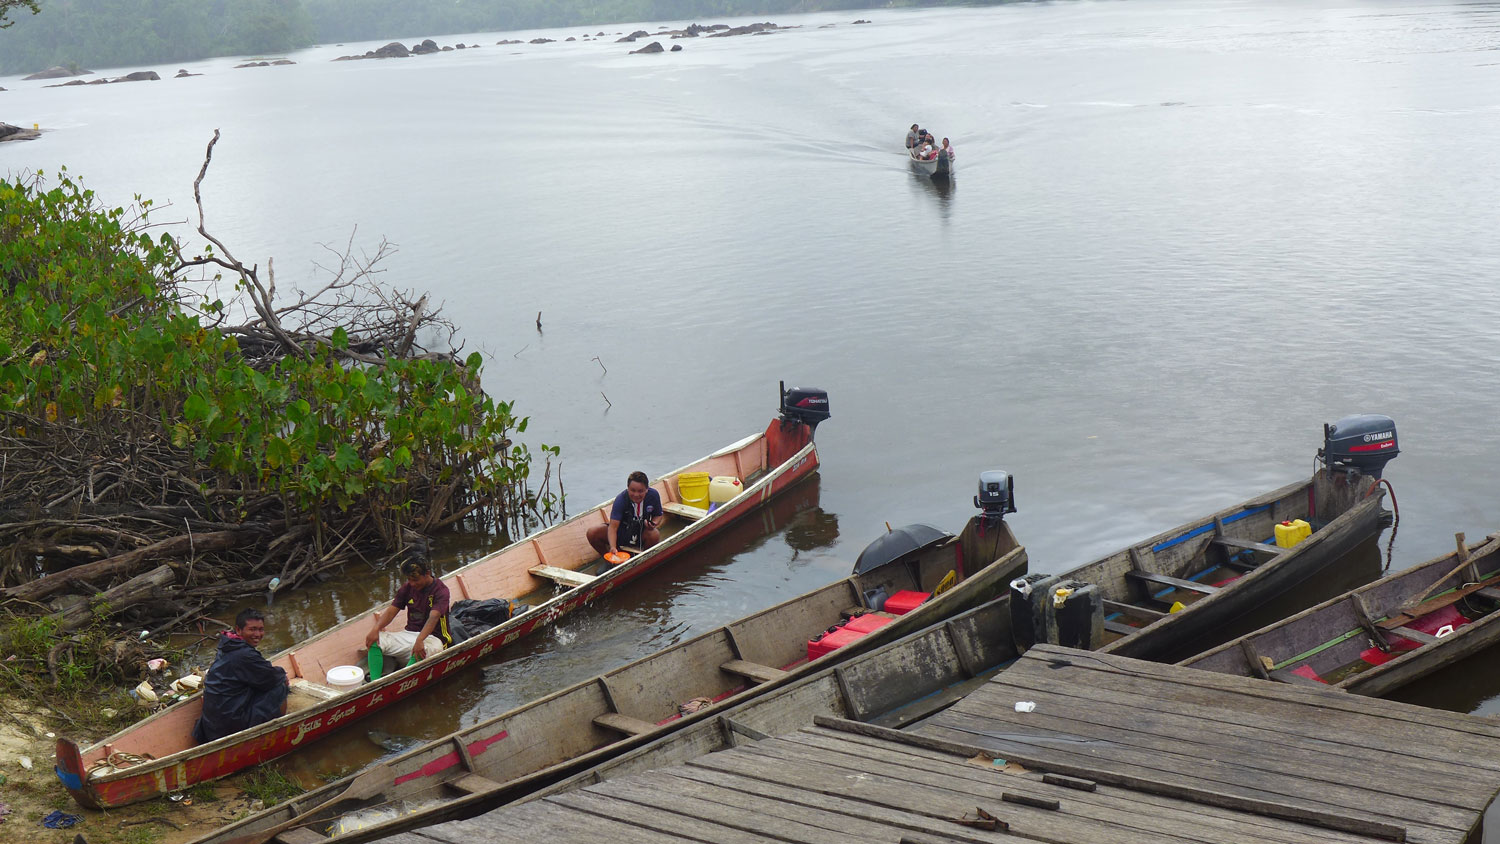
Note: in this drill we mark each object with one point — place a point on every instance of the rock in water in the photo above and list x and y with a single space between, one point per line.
393 742
393 50
57 72
653 47
676 48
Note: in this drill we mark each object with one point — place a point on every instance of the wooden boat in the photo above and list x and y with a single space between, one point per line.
1165 597
1383 635
492 763
556 566
937 168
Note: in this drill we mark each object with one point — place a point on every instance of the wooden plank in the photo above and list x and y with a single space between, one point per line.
1253 658
1070 782
1194 821
1119 627
623 724
1488 592
689 784
1174 582
718 829
664 796
1362 612
1028 800
1270 808
563 576
1250 545
299 835
1415 635
1044 657
464 757
473 784
1133 611
1334 722
1325 752
944 794
685 511
752 670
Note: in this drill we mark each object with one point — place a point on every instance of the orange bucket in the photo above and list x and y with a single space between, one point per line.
616 557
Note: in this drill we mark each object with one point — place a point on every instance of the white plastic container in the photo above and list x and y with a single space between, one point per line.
723 488
345 676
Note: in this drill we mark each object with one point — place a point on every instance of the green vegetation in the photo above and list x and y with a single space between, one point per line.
270 786
113 33
8 6
318 434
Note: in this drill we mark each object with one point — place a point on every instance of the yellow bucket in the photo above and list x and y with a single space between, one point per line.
692 488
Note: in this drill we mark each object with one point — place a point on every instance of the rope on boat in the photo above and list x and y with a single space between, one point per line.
1395 520
121 759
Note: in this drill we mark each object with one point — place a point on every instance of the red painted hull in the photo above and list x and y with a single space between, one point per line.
791 454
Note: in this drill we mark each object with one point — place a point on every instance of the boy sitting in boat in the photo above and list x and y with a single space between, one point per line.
425 599
634 520
243 689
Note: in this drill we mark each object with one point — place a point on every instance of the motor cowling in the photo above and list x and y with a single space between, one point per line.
808 405
1362 443
997 493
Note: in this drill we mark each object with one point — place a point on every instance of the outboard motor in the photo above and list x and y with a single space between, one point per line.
808 405
1363 444
1028 608
997 493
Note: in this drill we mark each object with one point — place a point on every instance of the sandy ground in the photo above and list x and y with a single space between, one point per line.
32 794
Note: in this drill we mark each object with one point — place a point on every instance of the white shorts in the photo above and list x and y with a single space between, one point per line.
398 645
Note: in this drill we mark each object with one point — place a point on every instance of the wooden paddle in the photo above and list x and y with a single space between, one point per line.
364 786
1416 607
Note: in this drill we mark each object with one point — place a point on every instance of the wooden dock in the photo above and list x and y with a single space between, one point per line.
1115 750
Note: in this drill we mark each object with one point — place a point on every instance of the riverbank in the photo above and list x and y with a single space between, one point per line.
29 795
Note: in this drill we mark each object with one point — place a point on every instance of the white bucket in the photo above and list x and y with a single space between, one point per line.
345 676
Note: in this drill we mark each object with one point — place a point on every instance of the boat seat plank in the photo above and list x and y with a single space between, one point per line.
1489 592
1414 635
299 835
1174 582
473 784
1133 611
685 511
563 576
1119 627
1285 675
753 670
623 724
1249 545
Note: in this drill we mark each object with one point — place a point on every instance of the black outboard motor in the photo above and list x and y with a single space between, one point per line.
808 405
1363 444
997 493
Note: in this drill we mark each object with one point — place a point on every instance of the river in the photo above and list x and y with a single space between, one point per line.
1184 234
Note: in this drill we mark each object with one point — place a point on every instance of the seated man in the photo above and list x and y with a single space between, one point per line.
635 519
425 600
243 689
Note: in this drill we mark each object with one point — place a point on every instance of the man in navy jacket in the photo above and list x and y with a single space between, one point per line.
243 689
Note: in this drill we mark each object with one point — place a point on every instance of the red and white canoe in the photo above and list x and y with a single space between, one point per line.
99 776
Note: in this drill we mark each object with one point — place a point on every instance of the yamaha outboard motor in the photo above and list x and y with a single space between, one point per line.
997 493
1363 444
808 405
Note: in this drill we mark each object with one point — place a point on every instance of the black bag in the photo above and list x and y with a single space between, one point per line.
469 618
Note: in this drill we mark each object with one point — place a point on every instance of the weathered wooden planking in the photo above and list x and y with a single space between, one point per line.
1144 723
1114 805
1387 714
727 808
653 819
929 807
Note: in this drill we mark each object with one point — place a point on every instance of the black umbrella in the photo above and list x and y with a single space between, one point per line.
896 543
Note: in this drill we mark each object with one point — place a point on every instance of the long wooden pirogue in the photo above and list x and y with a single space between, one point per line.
112 773
1379 637
1228 565
489 764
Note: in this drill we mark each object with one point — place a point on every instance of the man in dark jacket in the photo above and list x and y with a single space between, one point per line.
243 689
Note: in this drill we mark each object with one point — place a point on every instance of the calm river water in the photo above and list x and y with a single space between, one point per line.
1184 235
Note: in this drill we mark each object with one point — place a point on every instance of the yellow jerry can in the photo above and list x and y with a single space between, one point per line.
1288 534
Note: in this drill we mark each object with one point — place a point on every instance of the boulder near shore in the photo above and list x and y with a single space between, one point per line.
16 133
653 47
